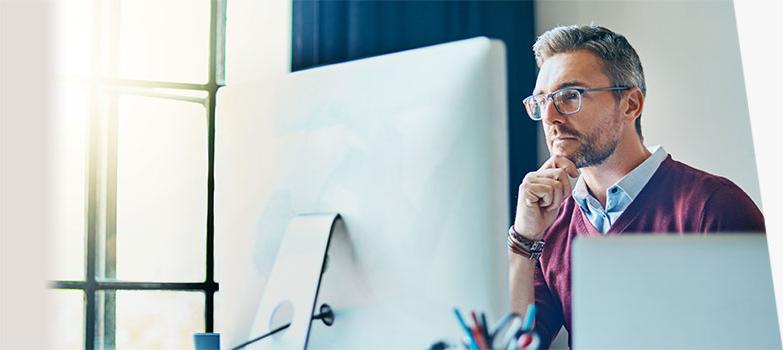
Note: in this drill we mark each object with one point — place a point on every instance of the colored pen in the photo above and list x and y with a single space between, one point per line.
529 318
482 345
529 341
477 329
524 340
485 328
472 341
504 334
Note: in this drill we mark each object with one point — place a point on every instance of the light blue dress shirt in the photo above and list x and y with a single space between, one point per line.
620 195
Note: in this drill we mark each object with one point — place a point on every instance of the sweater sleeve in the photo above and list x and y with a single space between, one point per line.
549 315
729 209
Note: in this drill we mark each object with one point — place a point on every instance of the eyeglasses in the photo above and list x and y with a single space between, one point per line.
567 100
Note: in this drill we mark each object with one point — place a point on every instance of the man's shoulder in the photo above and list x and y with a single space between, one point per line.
721 205
691 181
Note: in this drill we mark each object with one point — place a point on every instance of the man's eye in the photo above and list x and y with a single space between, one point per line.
570 95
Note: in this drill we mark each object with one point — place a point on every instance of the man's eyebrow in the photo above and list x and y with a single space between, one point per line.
562 85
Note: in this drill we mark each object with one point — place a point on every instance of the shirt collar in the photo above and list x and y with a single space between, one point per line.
631 184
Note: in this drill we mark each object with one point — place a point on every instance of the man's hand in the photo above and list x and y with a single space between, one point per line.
540 196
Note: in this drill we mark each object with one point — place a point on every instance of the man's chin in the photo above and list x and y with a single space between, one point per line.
557 151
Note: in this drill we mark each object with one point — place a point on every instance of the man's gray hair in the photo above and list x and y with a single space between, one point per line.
620 61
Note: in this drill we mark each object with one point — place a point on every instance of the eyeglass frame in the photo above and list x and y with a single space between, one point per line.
579 89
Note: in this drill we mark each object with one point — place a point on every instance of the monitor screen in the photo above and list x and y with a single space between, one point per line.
411 150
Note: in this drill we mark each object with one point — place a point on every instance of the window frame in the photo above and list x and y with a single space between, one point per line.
100 283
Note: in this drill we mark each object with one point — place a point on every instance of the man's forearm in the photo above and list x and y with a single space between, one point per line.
520 275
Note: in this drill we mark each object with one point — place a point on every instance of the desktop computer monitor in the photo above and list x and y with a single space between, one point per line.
410 149
673 292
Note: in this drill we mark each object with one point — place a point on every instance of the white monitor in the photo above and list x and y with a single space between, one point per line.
411 150
673 292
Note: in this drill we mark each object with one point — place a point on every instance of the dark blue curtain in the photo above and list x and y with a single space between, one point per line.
327 32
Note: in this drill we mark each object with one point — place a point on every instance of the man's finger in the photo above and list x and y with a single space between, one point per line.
566 184
551 173
544 193
561 162
560 184
558 197
530 199
556 178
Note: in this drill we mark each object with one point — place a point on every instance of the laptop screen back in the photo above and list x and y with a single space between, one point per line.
666 291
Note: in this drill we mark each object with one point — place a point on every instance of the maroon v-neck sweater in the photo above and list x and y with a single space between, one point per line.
677 199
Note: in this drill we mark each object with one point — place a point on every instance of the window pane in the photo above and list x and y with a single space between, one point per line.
164 40
158 320
66 320
161 190
67 181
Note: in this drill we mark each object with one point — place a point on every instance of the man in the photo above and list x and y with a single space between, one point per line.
589 95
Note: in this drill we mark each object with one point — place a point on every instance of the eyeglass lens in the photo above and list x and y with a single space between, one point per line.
567 101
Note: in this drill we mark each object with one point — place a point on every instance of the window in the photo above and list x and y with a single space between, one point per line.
132 263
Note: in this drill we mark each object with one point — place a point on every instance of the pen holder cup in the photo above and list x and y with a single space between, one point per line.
206 341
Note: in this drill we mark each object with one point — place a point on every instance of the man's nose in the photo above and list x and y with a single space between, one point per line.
551 115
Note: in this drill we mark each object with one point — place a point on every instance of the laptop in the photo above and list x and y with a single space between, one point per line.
673 292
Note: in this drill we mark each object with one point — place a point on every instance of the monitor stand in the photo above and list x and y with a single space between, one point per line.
292 288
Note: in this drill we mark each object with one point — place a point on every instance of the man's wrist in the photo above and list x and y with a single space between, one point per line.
532 237
520 245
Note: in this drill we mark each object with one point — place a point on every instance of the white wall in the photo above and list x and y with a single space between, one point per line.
696 106
258 49
763 73
258 40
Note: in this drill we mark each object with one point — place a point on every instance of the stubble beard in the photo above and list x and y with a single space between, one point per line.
590 152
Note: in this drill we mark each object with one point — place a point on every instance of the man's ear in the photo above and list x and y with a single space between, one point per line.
634 104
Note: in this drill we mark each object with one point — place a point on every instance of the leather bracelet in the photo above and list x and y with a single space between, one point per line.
520 245
518 251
